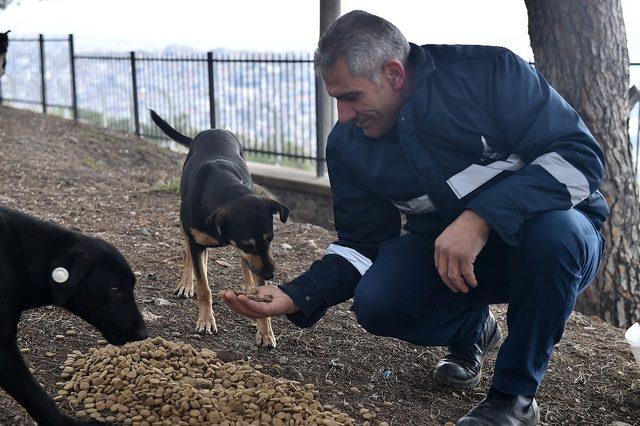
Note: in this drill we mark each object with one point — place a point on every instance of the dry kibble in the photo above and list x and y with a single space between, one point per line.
158 382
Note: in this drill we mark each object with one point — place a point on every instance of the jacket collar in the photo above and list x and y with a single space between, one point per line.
421 61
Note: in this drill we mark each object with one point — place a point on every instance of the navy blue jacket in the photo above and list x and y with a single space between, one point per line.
482 130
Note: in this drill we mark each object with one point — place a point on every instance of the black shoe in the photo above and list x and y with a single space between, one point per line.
463 368
500 409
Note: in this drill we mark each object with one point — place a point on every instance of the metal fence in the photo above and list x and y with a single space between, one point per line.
268 100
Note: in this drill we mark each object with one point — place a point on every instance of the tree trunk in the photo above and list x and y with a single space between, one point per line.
581 47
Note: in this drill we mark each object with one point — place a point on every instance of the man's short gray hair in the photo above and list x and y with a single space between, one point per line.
364 40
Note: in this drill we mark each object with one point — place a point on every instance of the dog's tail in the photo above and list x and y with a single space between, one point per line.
170 131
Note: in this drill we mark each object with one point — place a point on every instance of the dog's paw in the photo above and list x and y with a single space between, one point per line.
265 341
184 292
206 324
265 337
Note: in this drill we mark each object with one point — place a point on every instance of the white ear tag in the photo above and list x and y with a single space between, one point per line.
60 275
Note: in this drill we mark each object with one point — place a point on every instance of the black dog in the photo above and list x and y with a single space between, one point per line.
219 207
4 46
42 264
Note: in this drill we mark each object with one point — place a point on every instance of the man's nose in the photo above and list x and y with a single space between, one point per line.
345 112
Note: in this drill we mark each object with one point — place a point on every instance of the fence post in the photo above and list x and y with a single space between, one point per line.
134 81
42 74
212 103
72 66
329 12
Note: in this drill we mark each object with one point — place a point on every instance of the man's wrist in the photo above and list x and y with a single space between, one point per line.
478 220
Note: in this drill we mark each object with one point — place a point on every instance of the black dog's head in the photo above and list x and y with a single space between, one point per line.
94 281
4 46
247 224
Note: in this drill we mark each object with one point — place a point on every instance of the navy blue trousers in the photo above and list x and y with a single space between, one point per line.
402 295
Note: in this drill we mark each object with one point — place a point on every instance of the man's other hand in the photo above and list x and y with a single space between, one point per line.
280 305
456 250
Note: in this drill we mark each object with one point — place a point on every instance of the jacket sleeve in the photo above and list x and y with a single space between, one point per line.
564 164
363 221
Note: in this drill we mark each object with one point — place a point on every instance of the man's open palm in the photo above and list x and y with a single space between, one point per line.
280 305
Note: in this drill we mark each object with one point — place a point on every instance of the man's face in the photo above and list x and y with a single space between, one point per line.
373 105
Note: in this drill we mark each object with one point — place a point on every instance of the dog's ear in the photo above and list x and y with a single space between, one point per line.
65 273
278 207
216 220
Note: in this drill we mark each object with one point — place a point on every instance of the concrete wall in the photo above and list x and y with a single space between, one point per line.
308 197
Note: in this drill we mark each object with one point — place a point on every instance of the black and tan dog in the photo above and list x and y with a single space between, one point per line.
42 264
4 47
219 207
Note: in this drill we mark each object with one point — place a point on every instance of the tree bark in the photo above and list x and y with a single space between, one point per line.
581 47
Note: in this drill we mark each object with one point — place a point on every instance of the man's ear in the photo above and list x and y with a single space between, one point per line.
394 73
216 221
278 207
65 273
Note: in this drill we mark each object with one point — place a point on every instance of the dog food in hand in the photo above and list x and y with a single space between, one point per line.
253 295
159 382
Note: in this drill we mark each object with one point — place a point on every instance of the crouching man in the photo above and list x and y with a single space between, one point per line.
498 177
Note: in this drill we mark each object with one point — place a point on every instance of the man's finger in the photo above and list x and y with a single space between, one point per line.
237 305
468 274
258 309
242 304
443 267
455 277
238 308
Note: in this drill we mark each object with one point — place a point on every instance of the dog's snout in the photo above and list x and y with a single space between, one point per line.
267 275
140 333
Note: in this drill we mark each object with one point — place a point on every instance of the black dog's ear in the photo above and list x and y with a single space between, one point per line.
65 273
278 207
216 221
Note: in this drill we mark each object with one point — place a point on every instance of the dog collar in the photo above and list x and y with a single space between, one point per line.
60 275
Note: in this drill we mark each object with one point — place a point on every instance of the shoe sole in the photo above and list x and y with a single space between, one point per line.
495 340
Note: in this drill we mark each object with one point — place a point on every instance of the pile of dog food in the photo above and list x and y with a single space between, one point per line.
157 382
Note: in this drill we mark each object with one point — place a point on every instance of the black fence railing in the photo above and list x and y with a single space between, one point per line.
268 100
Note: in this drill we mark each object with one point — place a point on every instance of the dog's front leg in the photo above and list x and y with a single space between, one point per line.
206 320
264 335
16 379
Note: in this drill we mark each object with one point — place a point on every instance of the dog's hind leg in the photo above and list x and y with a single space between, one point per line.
264 335
185 288
206 321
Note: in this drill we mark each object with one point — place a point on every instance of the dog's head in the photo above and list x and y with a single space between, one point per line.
4 46
93 280
247 224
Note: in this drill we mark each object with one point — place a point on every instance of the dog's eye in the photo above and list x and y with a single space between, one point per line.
115 289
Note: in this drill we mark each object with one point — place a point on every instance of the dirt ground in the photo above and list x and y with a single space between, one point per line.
110 185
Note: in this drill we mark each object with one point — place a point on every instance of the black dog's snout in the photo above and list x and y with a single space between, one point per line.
267 275
140 333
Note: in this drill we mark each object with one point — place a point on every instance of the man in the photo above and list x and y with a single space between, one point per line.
498 178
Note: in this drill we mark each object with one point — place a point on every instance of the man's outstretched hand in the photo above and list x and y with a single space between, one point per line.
281 304
456 250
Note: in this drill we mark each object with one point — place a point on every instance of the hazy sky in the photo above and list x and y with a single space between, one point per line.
277 25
